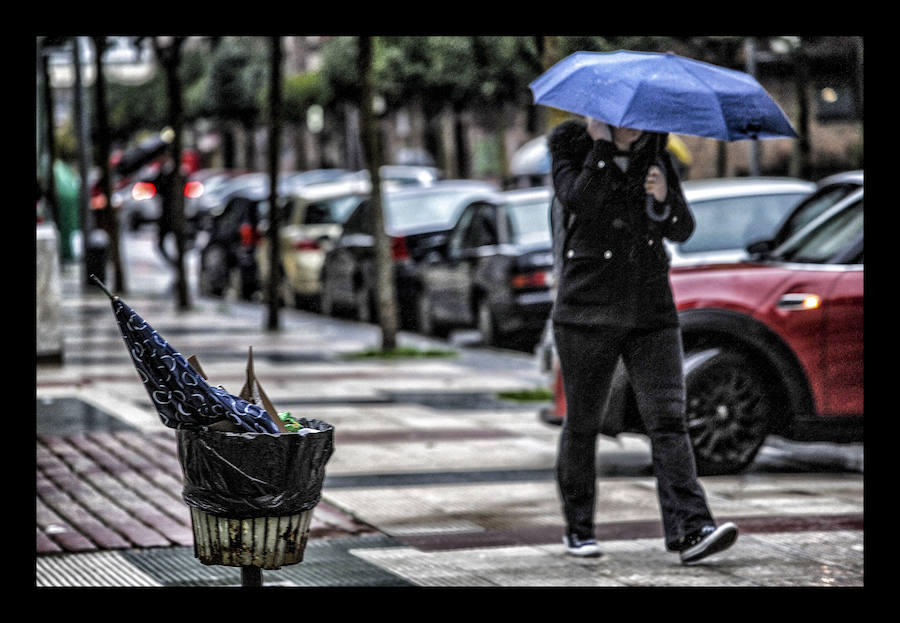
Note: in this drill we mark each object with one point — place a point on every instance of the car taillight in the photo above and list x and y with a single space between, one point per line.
193 189
249 235
143 190
399 250
535 279
306 244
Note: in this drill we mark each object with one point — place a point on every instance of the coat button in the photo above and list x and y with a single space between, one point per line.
600 164
607 254
674 219
650 242
570 253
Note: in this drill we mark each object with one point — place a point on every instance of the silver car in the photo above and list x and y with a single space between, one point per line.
730 213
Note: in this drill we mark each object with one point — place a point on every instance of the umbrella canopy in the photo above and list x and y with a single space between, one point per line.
181 396
662 93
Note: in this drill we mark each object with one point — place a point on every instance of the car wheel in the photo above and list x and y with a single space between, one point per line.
728 407
363 304
424 319
214 272
487 324
326 302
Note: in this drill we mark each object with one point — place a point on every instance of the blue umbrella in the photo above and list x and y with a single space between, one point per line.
181 396
662 93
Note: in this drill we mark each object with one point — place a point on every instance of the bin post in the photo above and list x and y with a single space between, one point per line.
251 576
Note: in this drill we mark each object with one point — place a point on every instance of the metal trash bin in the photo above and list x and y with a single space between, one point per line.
252 495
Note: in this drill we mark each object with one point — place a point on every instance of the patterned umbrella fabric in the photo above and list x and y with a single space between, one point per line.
181 396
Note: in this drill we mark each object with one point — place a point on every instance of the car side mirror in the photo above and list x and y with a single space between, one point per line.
760 248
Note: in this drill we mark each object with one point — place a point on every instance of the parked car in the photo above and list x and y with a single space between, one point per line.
494 271
232 220
312 219
198 189
828 192
228 258
413 216
772 345
731 213
405 174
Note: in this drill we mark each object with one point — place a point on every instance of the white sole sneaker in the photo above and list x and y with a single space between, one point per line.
720 539
584 549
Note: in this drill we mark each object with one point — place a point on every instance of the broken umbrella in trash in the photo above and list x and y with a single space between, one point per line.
180 394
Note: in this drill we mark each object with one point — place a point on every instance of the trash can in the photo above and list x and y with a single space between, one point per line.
252 495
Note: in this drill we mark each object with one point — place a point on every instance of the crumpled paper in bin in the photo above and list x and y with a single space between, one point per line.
255 474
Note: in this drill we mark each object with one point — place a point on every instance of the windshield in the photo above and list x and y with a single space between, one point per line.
813 207
528 222
334 210
420 209
735 222
828 241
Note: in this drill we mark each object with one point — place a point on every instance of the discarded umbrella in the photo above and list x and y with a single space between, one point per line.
180 394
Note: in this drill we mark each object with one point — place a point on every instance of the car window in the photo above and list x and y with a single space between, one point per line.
830 241
458 236
734 222
434 208
812 207
360 220
330 211
528 222
482 230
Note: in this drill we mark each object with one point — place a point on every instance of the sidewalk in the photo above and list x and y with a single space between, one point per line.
434 481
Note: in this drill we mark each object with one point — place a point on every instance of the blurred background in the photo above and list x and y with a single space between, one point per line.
236 112
460 104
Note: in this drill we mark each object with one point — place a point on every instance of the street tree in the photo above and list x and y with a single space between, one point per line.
301 92
168 53
237 78
384 266
107 215
274 232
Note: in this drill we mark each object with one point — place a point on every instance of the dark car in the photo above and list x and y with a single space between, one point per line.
413 218
231 217
494 272
772 345
229 256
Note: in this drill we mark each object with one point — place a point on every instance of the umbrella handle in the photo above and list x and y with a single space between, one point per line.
102 286
651 211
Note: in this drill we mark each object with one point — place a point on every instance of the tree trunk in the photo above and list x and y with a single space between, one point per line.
108 216
170 57
800 166
387 309
274 234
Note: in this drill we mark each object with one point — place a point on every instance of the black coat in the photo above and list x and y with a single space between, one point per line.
615 266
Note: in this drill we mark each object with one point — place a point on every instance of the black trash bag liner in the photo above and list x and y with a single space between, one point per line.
244 475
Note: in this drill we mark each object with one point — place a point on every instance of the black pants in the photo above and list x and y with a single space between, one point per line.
653 359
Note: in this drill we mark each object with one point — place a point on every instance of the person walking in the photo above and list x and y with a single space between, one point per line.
621 197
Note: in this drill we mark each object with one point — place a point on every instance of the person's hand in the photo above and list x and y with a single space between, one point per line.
598 130
655 184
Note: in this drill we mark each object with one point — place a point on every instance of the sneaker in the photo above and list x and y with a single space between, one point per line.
585 548
707 541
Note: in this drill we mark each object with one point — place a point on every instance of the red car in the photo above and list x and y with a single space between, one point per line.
773 345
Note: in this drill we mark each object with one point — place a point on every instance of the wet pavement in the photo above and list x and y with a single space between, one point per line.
435 480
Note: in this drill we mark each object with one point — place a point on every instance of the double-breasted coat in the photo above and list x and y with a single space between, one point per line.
614 263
